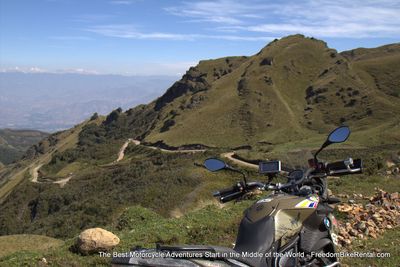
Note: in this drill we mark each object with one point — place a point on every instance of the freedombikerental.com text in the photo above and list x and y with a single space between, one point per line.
209 254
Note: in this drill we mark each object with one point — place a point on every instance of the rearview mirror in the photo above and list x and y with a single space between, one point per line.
214 164
339 135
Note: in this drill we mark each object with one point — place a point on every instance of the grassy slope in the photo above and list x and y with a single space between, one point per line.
35 243
308 88
240 97
66 139
210 225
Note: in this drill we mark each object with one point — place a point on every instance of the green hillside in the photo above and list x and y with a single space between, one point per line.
14 143
295 83
276 104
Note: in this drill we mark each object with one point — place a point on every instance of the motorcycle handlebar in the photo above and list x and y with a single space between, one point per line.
348 166
232 196
237 191
225 191
344 167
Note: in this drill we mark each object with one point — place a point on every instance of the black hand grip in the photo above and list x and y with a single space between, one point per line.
232 196
338 165
225 191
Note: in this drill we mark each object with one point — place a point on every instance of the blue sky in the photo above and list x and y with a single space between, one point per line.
166 37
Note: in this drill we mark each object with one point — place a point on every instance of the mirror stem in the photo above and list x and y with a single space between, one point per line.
243 173
320 149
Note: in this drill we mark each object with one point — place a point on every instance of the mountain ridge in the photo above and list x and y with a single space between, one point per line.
295 76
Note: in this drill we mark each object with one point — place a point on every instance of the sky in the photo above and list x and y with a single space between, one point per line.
148 37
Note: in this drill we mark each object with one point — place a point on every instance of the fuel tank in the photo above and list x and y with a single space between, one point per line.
276 217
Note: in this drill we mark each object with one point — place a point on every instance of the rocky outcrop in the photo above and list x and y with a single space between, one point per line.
370 220
193 81
96 239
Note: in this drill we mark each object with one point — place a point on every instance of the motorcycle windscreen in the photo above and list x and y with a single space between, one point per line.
255 237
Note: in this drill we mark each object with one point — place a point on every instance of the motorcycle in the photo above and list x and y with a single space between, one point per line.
293 226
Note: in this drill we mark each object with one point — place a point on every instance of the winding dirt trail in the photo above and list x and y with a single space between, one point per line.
229 155
174 151
63 182
121 153
35 173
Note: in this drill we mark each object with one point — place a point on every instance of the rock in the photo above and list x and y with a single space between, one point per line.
372 234
353 232
344 208
380 214
394 196
96 239
352 201
390 164
361 226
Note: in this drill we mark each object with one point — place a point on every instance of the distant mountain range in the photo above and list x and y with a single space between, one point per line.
52 102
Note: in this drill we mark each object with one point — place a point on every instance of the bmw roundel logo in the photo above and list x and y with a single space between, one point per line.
327 223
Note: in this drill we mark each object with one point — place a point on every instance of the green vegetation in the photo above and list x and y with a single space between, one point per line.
160 181
387 243
14 143
33 243
279 103
139 226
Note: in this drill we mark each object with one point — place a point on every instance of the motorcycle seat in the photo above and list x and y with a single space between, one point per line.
217 252
221 256
199 248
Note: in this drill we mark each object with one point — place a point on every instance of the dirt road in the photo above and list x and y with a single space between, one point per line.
35 173
229 155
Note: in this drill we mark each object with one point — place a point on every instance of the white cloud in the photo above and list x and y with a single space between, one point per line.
323 18
70 38
220 11
78 71
24 69
41 70
130 32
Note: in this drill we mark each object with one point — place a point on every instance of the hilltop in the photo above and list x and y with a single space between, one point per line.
287 96
294 88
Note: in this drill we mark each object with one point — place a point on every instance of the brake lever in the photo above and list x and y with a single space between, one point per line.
350 162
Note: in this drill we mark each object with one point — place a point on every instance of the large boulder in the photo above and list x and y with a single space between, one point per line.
95 240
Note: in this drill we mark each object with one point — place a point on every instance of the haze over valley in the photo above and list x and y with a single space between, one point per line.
50 102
